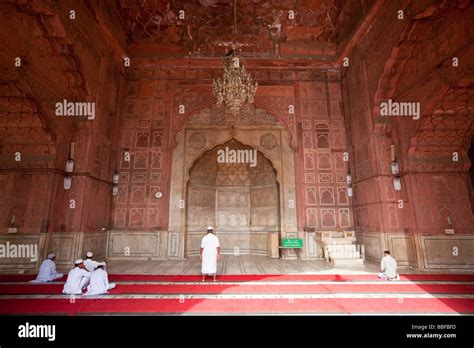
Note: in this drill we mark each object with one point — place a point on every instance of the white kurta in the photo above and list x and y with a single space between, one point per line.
209 243
388 266
99 283
47 272
90 264
77 279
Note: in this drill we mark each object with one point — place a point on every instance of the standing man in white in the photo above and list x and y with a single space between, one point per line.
210 253
47 271
388 267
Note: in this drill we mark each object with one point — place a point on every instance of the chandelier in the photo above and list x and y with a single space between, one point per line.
236 88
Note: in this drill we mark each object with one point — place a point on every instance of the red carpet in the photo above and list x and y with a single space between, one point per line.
258 277
210 288
257 294
275 306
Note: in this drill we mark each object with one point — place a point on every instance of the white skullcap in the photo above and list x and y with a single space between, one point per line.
78 261
209 228
89 254
52 255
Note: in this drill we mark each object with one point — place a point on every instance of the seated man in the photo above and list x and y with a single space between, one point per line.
99 283
47 271
90 264
388 266
77 279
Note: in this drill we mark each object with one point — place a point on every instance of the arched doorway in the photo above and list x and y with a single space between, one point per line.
241 200
206 131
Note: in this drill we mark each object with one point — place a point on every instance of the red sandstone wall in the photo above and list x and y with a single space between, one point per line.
322 187
145 135
410 60
78 60
61 59
150 119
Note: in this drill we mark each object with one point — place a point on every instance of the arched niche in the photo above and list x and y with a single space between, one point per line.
240 199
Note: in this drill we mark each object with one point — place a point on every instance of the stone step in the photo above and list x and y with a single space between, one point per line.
344 255
348 262
344 241
336 248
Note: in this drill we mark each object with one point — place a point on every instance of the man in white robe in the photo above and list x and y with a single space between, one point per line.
210 253
90 264
77 279
99 282
47 271
388 267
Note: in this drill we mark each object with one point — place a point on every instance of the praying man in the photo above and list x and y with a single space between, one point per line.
210 253
77 279
388 267
47 271
99 282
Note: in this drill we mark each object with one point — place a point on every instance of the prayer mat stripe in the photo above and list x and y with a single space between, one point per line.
239 306
236 296
202 288
261 277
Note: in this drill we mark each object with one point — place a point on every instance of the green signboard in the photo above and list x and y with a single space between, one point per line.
292 243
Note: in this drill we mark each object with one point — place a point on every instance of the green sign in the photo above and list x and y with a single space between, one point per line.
292 243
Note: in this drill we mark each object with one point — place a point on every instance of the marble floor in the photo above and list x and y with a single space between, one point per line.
237 265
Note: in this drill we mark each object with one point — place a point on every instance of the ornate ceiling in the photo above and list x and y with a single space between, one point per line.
259 28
